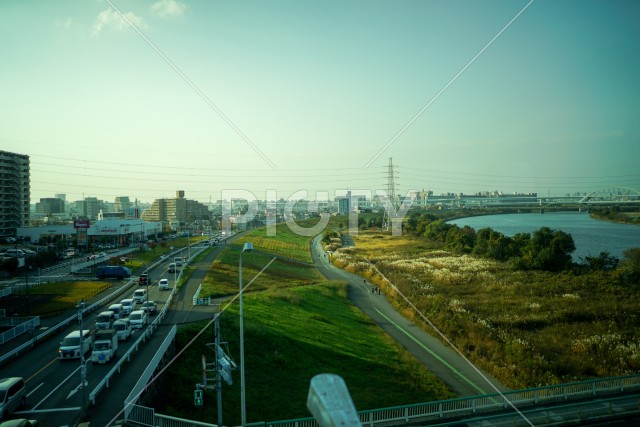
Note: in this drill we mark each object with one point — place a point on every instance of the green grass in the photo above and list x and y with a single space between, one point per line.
222 277
292 335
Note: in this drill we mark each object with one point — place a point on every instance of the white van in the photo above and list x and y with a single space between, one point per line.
140 295
105 320
123 329
70 346
178 261
128 305
13 395
117 310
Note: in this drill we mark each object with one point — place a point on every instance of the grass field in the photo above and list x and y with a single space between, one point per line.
526 328
292 334
52 298
291 268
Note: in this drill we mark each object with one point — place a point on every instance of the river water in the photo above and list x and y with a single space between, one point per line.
591 236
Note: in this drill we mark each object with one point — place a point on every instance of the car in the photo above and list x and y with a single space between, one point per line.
140 295
20 422
13 395
149 307
117 310
123 329
128 305
142 280
138 319
163 284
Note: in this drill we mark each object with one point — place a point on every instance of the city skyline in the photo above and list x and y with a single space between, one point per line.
112 98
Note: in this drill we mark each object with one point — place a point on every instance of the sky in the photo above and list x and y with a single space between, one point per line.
144 98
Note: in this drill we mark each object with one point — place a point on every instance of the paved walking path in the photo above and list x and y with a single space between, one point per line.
444 362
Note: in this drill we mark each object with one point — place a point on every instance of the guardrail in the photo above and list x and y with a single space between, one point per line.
21 327
143 337
18 350
454 409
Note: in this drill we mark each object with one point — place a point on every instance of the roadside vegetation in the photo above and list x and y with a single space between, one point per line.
518 307
297 325
292 334
53 298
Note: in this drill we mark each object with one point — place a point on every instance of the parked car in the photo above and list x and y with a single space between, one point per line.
149 307
163 284
138 319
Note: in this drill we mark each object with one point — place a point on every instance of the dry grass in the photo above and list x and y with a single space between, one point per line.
527 328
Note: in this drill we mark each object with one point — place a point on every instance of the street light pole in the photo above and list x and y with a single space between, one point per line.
26 284
83 364
248 246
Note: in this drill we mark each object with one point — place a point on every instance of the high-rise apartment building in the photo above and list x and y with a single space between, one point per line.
50 206
14 192
176 209
123 204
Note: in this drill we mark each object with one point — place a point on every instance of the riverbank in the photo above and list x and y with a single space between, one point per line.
526 328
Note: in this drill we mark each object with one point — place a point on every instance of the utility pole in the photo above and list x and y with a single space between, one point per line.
216 331
83 364
222 366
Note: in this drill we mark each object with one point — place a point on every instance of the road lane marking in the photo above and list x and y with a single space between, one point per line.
444 362
43 411
41 369
34 390
54 390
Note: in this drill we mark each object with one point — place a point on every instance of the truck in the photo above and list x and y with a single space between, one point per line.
105 346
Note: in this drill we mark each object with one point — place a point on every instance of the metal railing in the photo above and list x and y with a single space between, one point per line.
21 326
466 406
66 322
134 347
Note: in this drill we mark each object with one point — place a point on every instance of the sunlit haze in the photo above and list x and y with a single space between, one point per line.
143 98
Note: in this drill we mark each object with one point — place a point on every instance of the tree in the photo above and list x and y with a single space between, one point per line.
549 250
461 240
603 262
630 266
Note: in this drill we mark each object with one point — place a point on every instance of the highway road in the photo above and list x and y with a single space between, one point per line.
55 396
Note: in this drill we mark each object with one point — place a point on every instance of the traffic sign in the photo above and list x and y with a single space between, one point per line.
197 397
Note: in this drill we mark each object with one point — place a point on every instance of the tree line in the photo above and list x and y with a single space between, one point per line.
544 249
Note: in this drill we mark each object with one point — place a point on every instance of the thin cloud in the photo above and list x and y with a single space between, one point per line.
110 20
168 8
64 24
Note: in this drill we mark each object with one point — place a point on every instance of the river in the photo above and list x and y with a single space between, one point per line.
591 236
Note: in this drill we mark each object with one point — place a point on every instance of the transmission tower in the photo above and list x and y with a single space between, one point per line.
391 185
391 193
